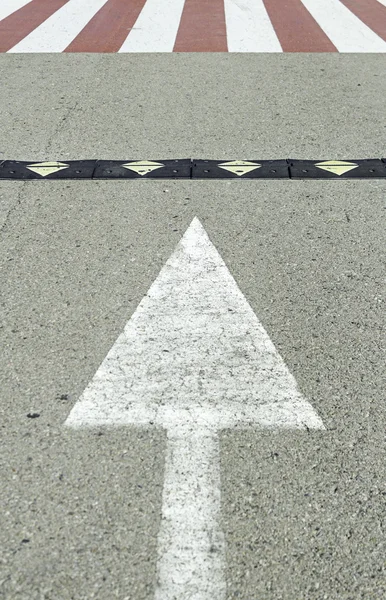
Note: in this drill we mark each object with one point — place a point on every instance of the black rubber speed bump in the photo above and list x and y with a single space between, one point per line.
194 169
143 169
245 169
72 169
337 169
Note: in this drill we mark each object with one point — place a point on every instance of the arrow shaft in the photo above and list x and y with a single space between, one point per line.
191 545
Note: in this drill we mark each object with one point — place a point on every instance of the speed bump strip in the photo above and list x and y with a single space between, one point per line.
337 169
66 169
143 169
242 169
194 169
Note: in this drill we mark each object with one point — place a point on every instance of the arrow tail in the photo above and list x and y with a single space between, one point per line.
191 547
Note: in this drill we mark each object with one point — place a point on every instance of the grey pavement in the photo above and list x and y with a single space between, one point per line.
303 512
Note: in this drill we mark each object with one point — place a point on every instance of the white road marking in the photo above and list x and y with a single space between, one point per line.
193 359
382 2
59 30
345 30
156 27
191 562
7 7
249 28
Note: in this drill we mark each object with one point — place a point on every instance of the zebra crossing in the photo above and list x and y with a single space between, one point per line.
192 26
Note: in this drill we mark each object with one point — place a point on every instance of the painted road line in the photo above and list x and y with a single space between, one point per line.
202 27
7 7
193 359
296 28
21 23
109 28
249 28
156 27
371 13
56 33
191 545
344 29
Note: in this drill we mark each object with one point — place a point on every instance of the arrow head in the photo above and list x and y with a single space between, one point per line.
194 351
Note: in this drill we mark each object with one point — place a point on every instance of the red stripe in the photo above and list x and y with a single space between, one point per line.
296 28
202 27
22 22
109 28
371 12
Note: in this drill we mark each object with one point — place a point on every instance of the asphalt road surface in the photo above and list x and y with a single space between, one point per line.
302 511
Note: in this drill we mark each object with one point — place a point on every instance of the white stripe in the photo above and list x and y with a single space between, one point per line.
191 547
59 30
7 7
156 27
382 2
345 30
249 28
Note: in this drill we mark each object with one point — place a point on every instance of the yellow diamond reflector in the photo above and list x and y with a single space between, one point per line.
239 167
46 168
339 167
142 167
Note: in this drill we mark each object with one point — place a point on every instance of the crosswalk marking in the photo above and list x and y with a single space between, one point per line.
344 29
7 7
249 27
56 33
192 26
156 27
371 13
295 27
20 23
109 27
202 27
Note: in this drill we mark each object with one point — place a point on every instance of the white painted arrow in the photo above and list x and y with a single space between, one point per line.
193 359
